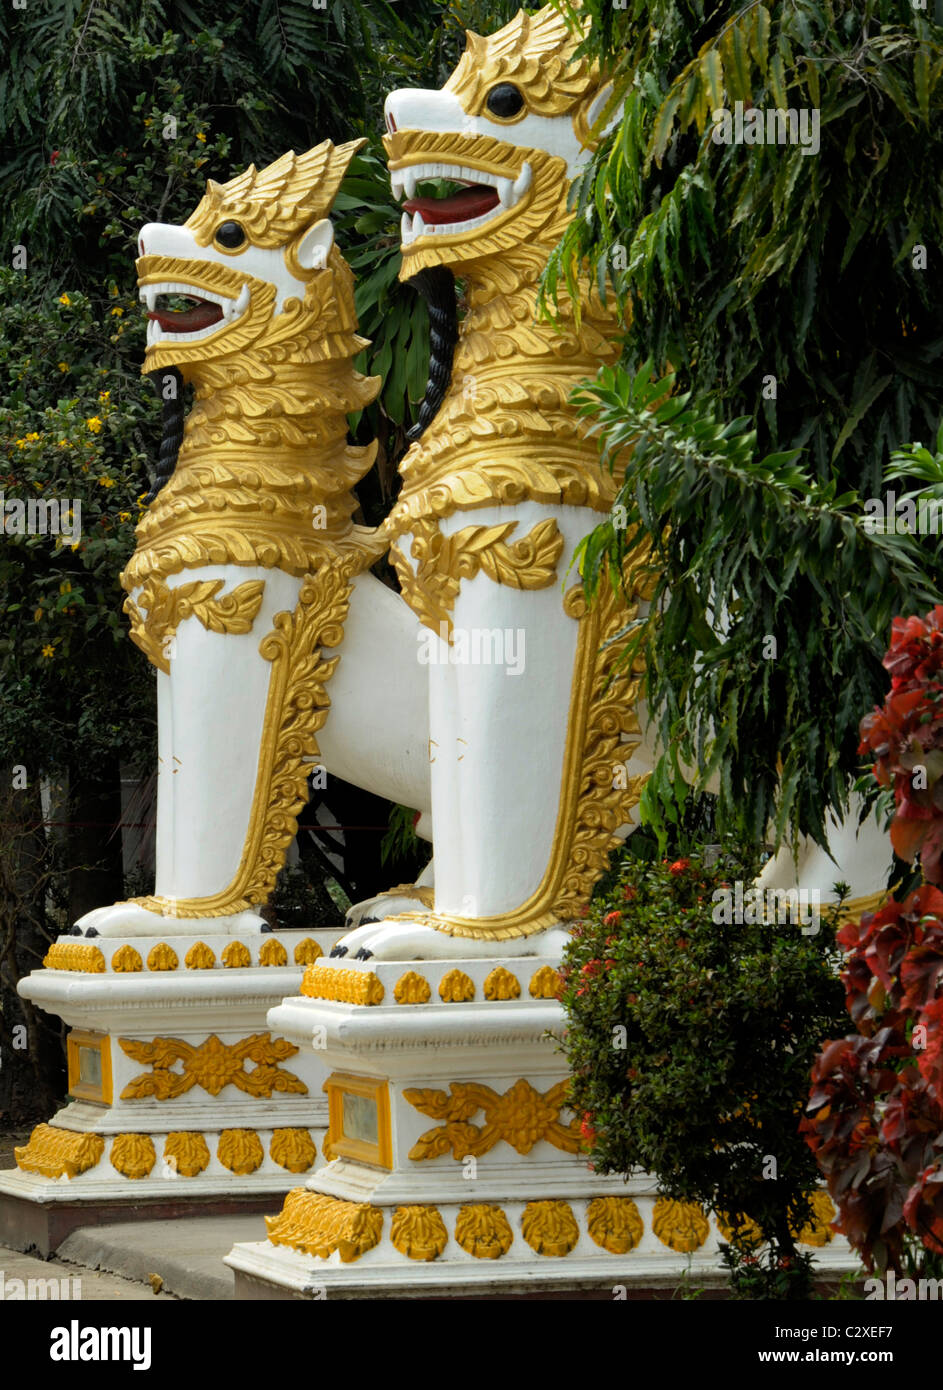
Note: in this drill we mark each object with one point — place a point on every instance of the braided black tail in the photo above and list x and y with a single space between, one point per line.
437 287
172 423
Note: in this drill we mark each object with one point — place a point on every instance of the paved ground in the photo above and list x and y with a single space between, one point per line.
66 1281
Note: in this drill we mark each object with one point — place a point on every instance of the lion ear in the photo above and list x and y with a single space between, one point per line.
314 247
601 106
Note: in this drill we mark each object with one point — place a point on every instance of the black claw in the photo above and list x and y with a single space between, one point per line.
91 932
75 931
363 954
266 926
339 951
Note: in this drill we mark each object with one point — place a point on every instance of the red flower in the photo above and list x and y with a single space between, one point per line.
612 919
628 893
678 867
609 964
54 156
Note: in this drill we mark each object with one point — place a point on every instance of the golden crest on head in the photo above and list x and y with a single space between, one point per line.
533 51
275 203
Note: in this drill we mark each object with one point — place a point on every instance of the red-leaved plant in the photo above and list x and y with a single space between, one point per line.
875 1115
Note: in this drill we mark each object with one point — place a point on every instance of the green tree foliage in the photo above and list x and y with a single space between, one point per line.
797 291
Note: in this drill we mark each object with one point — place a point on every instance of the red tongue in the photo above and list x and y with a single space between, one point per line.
461 207
189 320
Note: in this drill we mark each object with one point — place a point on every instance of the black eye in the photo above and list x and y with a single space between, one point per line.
230 235
505 100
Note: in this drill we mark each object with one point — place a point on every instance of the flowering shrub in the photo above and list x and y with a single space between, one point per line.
689 1044
875 1113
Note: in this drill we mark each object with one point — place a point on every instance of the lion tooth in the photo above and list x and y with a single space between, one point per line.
406 227
242 303
522 182
409 182
396 183
506 192
418 225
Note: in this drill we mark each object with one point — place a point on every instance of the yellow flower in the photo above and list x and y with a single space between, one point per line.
148 121
201 137
103 395
94 424
124 516
37 615
106 482
65 587
21 443
63 444
63 366
32 436
117 312
48 650
64 299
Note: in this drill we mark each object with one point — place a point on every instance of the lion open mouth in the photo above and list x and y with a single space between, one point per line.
178 311
468 199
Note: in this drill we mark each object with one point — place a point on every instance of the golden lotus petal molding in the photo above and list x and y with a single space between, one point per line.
156 611
67 955
501 984
682 1226
418 1232
162 957
483 1230
307 952
126 960
236 956
412 988
186 1152
521 1117
293 1149
211 1065
199 957
133 1155
240 1150
273 953
614 1224
545 983
456 987
59 1153
320 1225
549 1227
342 986
442 562
297 707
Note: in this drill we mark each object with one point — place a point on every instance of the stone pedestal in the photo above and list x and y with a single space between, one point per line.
455 1168
180 1097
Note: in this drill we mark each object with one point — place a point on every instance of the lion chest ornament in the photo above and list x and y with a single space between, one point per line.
483 695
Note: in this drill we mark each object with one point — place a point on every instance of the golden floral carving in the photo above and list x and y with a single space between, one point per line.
817 1232
133 1155
342 986
418 1232
319 1225
307 951
545 983
442 562
521 1117
156 611
236 956
293 1149
199 957
535 53
682 1226
456 987
67 955
412 988
614 1224
273 953
550 1227
162 957
187 1152
483 1230
59 1153
211 1065
126 960
747 1231
501 984
240 1150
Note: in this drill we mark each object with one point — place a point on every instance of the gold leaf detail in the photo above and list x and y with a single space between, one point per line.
126 960
59 1153
211 1065
456 987
162 957
66 955
483 1230
187 1152
133 1155
157 610
236 956
307 951
682 1226
273 953
535 52
418 1232
342 986
240 1150
501 984
412 988
545 983
521 1117
614 1224
550 1227
199 957
293 1149
818 1232
319 1225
